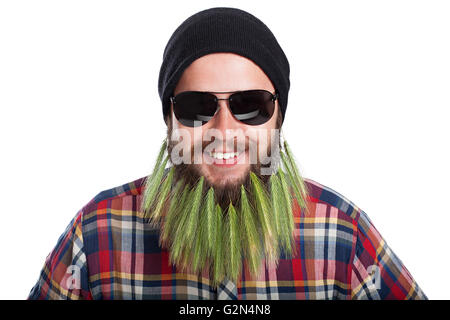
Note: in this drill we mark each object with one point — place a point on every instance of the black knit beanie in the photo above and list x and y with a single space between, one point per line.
223 29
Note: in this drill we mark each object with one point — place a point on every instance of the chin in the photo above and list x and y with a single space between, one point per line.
221 179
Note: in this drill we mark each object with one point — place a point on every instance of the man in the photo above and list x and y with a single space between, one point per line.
225 214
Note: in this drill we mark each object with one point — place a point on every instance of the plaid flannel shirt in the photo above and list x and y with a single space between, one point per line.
109 251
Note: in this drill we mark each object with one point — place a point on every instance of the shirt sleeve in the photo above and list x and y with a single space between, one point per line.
376 272
65 275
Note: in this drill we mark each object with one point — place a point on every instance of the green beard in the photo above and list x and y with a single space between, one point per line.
200 235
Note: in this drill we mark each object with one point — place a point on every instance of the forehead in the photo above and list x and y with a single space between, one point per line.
223 71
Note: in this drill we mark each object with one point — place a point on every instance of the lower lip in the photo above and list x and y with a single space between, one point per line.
224 163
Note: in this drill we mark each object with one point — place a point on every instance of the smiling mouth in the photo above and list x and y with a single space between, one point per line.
225 156
224 159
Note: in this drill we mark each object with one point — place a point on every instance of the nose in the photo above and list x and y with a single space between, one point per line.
224 119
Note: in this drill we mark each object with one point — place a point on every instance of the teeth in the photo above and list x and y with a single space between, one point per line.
226 155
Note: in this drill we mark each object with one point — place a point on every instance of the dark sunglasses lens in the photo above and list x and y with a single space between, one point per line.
253 107
194 109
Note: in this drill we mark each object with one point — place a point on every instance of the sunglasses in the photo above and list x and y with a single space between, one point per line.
251 107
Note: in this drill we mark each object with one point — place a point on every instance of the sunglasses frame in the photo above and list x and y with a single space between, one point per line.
274 95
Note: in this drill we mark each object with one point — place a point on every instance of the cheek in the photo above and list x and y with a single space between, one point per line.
183 134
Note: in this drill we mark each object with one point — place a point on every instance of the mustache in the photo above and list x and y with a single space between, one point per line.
232 145
216 144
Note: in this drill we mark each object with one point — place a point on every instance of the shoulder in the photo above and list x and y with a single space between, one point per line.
332 218
117 202
113 216
322 196
325 196
132 188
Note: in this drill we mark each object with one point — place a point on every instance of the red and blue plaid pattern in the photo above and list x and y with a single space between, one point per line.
109 251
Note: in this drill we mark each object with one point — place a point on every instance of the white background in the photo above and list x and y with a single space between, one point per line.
367 114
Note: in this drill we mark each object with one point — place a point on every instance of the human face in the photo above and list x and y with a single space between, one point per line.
225 72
